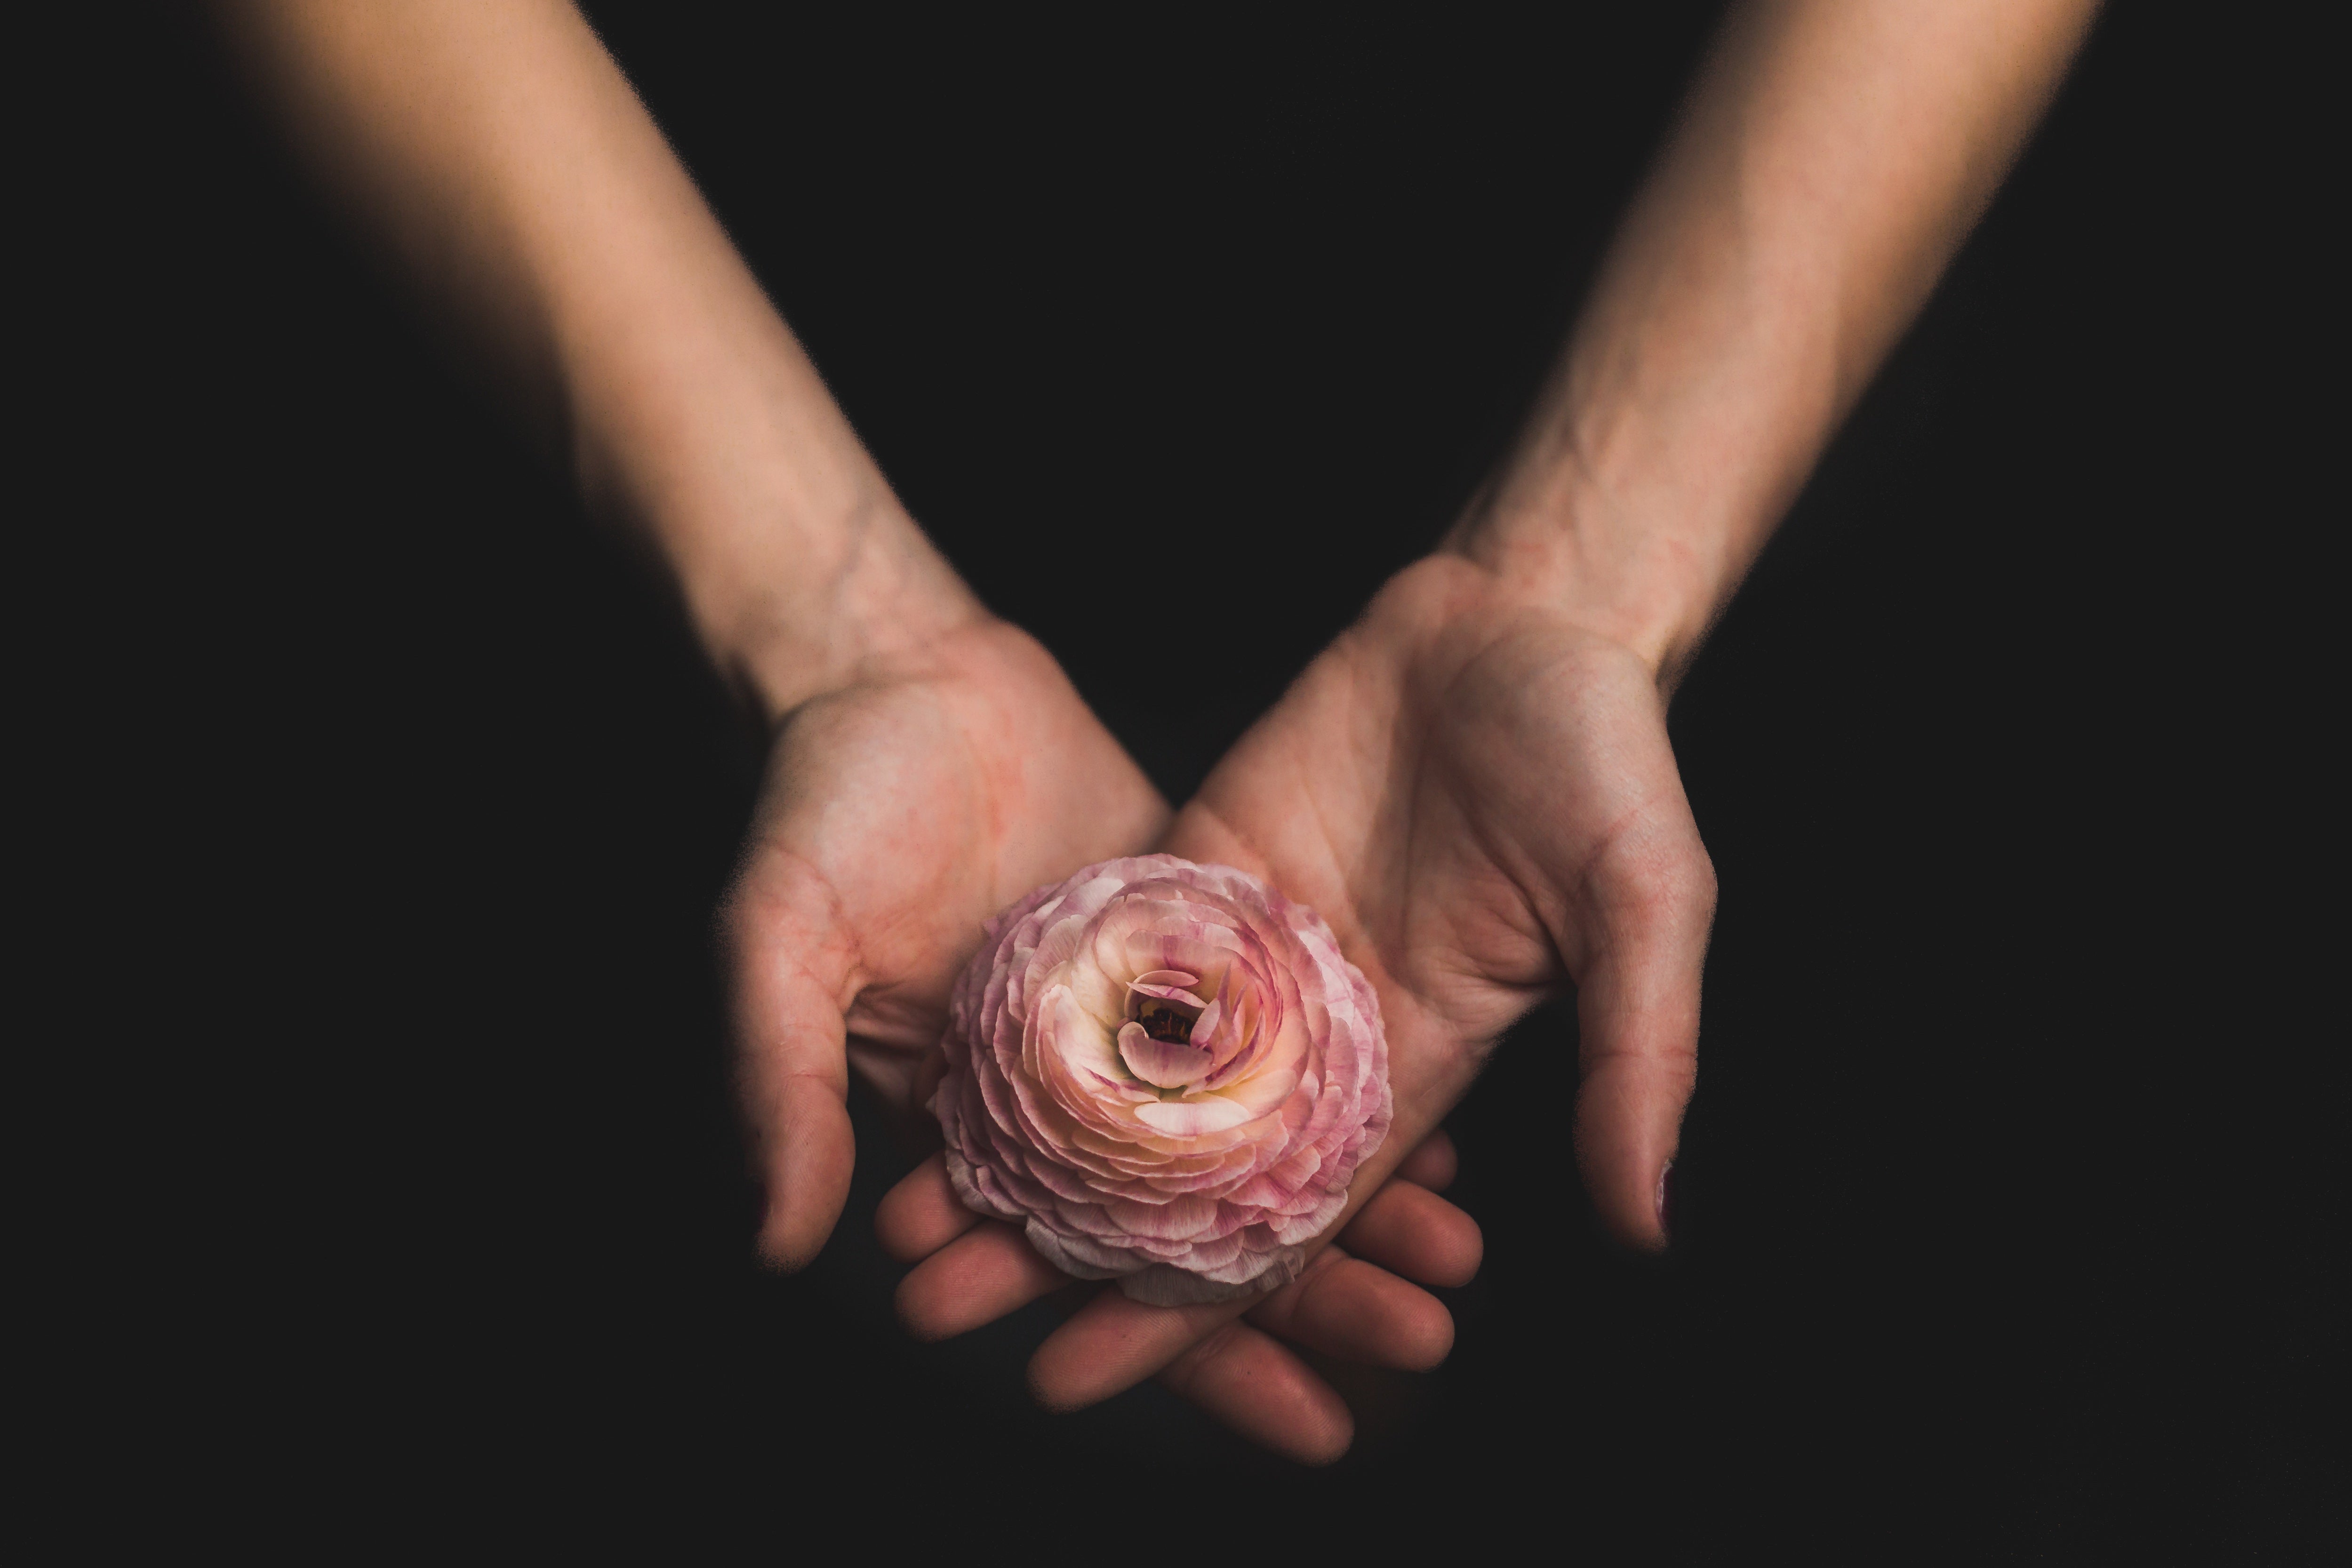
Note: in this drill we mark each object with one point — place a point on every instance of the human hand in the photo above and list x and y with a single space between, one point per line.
1355 1300
900 811
1479 794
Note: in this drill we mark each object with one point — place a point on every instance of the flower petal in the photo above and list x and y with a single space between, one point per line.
1050 1105
1164 1064
1190 1118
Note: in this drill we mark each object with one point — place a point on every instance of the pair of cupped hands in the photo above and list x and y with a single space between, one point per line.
1475 789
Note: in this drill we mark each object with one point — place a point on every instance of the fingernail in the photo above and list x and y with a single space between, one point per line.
1667 1201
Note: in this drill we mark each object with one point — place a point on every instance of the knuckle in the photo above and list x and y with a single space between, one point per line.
1666 890
1183 1374
1699 871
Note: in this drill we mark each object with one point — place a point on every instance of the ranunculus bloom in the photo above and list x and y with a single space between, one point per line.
1165 1072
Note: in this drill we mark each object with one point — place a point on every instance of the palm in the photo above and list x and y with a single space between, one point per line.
1483 805
897 815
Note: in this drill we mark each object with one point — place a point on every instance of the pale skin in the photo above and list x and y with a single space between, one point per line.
1473 784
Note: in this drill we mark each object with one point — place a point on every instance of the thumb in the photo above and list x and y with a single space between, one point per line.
791 967
1637 1017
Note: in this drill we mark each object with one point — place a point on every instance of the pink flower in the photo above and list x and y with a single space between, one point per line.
1165 1072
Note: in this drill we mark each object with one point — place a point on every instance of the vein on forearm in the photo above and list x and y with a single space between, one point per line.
1831 156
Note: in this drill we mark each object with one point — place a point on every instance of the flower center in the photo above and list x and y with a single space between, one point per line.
1162 1004
1164 1020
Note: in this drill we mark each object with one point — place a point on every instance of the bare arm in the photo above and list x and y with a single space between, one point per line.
1834 155
502 155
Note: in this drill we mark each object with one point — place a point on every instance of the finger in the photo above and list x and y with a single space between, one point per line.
1356 1311
974 1280
921 1213
1412 1232
1262 1391
1114 1343
790 975
1637 1015
1432 1165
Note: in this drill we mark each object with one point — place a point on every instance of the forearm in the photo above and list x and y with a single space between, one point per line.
1831 159
503 152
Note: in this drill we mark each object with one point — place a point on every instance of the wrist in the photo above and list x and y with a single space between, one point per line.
798 567
1573 552
874 596
1638 498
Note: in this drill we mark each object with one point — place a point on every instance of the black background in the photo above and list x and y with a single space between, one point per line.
390 802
